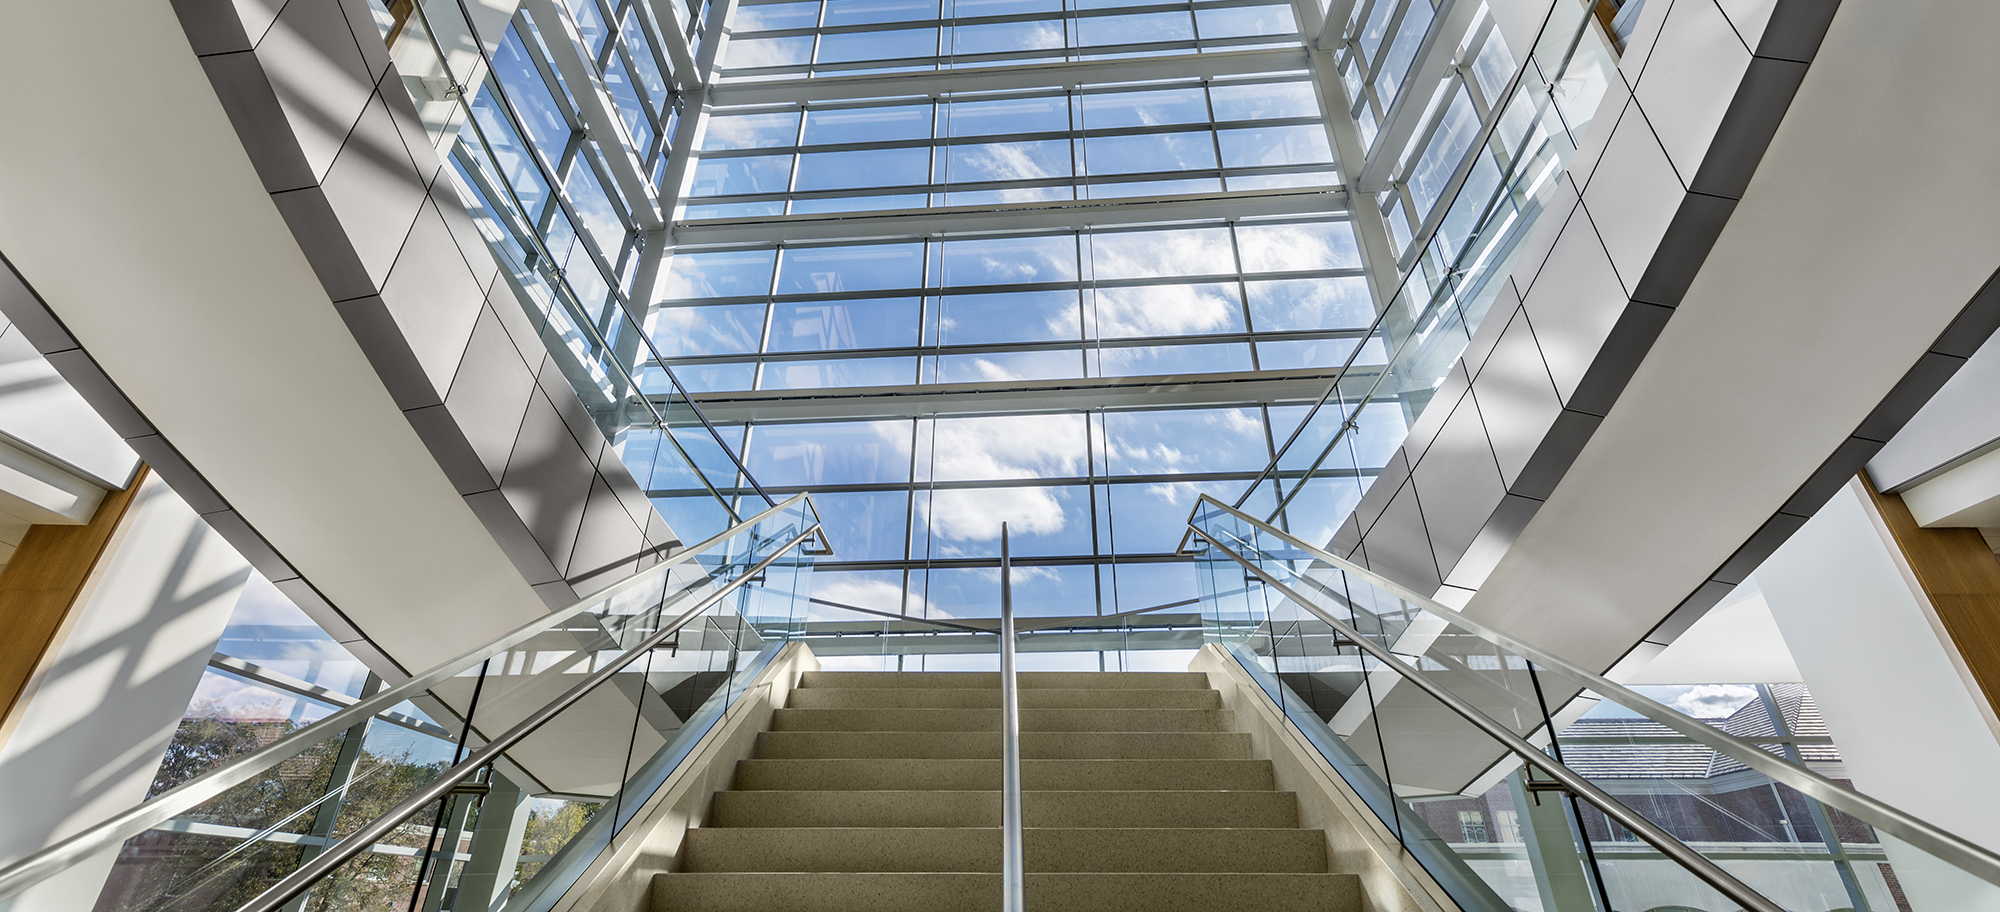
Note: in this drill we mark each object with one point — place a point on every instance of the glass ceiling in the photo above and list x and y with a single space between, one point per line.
1063 264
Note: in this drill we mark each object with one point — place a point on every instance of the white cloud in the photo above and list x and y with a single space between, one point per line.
975 515
1708 701
1027 446
1162 310
1194 251
874 594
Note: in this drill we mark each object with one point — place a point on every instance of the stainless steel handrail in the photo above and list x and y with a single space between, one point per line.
173 802
311 872
1012 865
1973 858
1696 863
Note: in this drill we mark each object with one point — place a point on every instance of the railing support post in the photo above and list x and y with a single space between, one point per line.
1012 876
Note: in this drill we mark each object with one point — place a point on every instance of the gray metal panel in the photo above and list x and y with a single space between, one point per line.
446 441
496 513
489 395
434 299
1398 546
1435 412
319 75
373 190
323 240
1633 196
1458 482
382 341
548 480
1574 303
582 427
607 545
1517 397
1385 486
1487 547
1505 303
260 122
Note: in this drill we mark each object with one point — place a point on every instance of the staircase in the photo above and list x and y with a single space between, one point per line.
879 792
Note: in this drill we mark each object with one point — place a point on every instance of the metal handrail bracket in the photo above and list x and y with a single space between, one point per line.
302 878
173 802
1978 860
1012 864
1696 863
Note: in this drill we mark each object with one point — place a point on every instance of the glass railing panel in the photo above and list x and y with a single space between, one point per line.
611 748
1712 794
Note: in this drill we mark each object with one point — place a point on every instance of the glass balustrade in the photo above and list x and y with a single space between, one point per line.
729 603
1496 833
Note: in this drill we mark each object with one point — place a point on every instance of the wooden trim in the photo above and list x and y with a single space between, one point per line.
40 586
1961 577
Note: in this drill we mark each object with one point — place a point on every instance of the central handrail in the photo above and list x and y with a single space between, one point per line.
1696 863
1012 865
302 878
175 801
1978 860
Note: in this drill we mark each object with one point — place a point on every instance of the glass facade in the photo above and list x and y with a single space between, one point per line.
1061 265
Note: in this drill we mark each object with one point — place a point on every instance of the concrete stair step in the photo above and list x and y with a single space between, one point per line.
1032 720
1179 808
818 745
932 892
970 849
982 698
980 775
990 680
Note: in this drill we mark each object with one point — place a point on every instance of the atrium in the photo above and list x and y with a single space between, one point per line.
911 455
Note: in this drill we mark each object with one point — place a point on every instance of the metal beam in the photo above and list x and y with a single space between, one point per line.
1021 396
672 36
1401 121
1074 214
997 78
600 115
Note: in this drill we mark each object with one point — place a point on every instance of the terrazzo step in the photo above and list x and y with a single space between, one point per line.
983 698
973 849
981 720
815 745
990 680
977 775
1145 809
957 892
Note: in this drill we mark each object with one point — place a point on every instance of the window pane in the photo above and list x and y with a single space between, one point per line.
1339 303
1108 110
1245 21
1184 441
745 53
722 329
1009 115
997 366
872 168
1041 520
753 174
847 47
751 131
1295 145
1264 101
845 125
1006 161
1151 518
1313 245
1026 316
819 326
860 12
793 375
1000 37
1293 354
722 274
1009 260
1167 310
855 452
1454 135
1144 254
877 266
1147 152
1008 446
1134 29
1175 359
764 16
864 526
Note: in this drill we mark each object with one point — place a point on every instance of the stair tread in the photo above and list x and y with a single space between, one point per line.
984 774
977 849
950 892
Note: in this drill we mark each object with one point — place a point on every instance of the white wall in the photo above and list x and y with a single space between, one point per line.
1909 729
99 716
